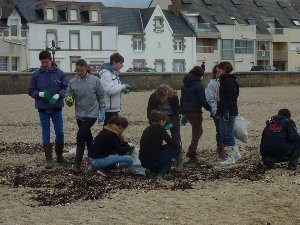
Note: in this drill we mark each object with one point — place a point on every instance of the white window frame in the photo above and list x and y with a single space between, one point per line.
95 16
73 15
137 44
93 42
5 57
48 41
140 64
50 12
296 22
12 23
78 44
17 63
178 67
178 45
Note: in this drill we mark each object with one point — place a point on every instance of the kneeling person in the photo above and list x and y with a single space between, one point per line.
280 141
108 148
153 154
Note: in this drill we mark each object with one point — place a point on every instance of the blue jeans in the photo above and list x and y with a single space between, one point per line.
58 124
164 161
228 129
123 160
219 131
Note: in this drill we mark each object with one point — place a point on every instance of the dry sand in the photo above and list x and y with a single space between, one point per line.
274 199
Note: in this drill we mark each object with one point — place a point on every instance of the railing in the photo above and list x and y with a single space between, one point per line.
206 49
204 27
280 55
275 31
263 55
227 54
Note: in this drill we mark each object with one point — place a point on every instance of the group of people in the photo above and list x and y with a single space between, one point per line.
100 98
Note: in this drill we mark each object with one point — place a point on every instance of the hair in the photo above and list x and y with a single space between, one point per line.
82 62
156 116
45 55
164 90
116 57
214 71
284 112
197 70
119 121
226 66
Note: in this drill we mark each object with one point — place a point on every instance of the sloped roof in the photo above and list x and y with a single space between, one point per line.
178 24
146 15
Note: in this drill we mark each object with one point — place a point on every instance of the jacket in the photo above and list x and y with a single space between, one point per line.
193 95
228 94
53 80
112 87
154 103
279 136
211 94
88 95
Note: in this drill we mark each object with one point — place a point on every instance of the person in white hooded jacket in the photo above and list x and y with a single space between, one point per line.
112 86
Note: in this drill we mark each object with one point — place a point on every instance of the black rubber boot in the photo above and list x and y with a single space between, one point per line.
59 148
78 160
294 159
48 155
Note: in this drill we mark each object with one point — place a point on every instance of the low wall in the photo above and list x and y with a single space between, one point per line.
17 83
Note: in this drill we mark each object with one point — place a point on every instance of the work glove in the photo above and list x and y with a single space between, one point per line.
101 116
131 149
128 88
70 100
183 121
54 99
213 113
226 116
45 95
168 126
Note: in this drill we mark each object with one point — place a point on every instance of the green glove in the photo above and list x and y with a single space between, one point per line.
129 87
183 121
70 99
52 101
168 126
126 91
226 116
47 95
131 149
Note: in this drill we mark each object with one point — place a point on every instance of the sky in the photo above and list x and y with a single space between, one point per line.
121 3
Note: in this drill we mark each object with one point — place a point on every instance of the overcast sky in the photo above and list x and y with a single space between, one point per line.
122 3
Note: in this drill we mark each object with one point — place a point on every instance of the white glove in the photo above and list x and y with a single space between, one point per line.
41 94
56 96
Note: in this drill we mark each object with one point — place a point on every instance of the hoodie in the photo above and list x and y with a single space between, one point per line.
193 95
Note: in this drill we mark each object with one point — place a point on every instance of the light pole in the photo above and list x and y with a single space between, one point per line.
53 48
233 21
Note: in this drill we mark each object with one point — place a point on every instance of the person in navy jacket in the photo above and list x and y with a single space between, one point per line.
48 86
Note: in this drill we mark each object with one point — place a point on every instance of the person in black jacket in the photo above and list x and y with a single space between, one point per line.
280 141
192 100
108 148
165 99
227 110
153 154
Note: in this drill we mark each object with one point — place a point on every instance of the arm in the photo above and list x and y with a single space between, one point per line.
32 88
69 93
100 94
211 96
292 132
166 137
151 105
202 98
108 85
175 105
231 93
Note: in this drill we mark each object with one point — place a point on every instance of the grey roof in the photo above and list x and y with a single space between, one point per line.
146 15
178 24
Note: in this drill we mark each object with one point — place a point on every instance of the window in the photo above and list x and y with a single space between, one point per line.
178 66
219 19
1 33
179 45
296 22
138 63
137 44
95 16
236 2
14 64
96 41
14 24
3 63
258 3
73 15
50 36
50 14
159 25
243 46
159 66
226 49
74 40
0 12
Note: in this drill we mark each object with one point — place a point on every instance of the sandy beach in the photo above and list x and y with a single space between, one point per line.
205 194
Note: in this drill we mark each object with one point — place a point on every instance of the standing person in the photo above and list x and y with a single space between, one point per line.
86 91
108 149
153 154
212 94
165 99
227 109
203 66
48 87
112 86
280 141
192 100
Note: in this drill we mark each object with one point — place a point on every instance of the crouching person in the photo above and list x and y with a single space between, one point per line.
108 150
155 156
280 141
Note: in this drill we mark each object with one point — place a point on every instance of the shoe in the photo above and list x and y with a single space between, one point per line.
194 160
292 166
221 152
59 147
48 155
237 154
190 154
269 163
231 156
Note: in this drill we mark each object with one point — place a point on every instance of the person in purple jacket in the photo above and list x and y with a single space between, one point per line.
48 86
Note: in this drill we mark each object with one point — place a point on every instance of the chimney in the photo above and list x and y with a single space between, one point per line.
176 7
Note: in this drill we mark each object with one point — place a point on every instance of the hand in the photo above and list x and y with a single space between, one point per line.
70 99
126 91
101 116
226 116
168 126
54 99
45 95
183 121
129 87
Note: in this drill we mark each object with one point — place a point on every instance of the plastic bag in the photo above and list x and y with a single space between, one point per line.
240 129
135 167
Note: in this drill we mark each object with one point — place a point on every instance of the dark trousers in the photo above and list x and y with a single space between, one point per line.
164 161
84 134
108 116
291 154
195 119
175 130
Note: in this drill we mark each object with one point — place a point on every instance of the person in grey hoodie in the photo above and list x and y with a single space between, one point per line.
87 93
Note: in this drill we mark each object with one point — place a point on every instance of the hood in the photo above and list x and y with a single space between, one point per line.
109 67
274 119
190 78
52 69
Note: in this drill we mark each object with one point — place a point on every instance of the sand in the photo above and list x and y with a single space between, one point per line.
272 199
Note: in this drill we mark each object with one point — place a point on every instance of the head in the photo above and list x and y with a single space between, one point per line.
82 67
163 92
197 70
45 59
118 124
157 117
117 61
285 112
215 73
225 68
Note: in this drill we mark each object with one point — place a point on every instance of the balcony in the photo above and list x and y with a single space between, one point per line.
275 31
263 55
206 30
227 54
204 27
206 49
280 55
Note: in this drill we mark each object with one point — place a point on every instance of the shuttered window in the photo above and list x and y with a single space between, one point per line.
3 64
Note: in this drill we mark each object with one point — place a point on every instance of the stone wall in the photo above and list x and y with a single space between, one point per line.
17 83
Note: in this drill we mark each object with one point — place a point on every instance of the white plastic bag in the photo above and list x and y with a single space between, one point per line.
240 129
135 167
